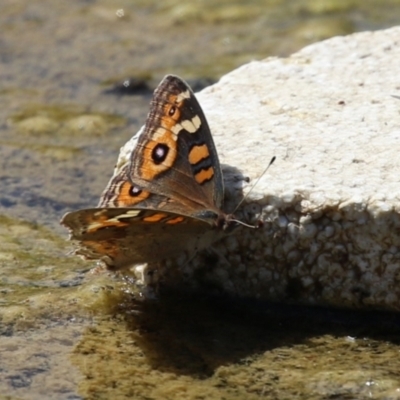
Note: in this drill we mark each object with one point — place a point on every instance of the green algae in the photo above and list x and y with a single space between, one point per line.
55 113
33 263
63 121
40 279
60 153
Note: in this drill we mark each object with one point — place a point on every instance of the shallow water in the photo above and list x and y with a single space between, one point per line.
70 334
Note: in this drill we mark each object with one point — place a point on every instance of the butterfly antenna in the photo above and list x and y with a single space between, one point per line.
254 185
246 225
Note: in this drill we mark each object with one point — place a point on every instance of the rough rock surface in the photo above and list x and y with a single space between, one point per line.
331 201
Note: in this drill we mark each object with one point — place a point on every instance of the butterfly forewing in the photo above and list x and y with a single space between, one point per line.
176 155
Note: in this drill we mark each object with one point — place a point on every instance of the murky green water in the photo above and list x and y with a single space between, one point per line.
67 333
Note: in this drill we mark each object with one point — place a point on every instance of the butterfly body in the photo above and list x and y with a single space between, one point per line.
168 198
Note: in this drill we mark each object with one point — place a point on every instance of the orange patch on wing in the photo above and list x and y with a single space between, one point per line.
149 169
198 153
155 217
176 220
125 199
204 175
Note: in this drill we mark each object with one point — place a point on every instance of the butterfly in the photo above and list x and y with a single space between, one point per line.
167 199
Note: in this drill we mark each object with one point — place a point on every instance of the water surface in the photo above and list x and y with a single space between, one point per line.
65 111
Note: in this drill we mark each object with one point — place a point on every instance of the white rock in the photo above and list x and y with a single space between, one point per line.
329 116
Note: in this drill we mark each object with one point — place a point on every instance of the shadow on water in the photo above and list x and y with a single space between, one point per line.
195 335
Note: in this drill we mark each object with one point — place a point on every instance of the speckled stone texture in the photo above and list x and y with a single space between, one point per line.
330 203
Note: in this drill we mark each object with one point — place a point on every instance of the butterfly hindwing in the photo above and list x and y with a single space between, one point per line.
121 192
125 236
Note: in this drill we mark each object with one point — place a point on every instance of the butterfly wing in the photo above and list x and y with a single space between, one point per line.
167 200
176 156
122 237
121 192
